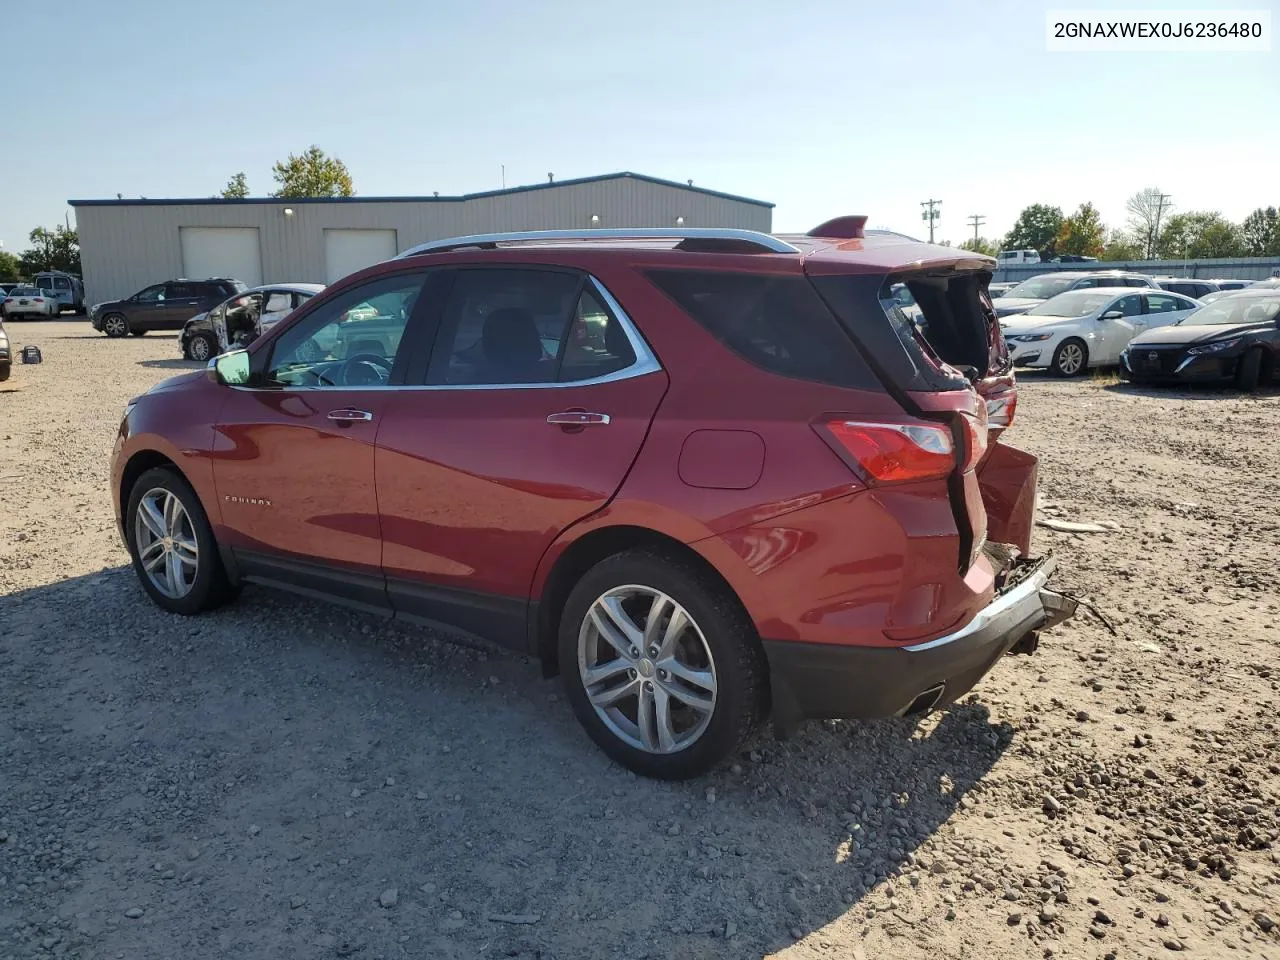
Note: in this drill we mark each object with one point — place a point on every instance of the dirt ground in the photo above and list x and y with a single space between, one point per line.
281 779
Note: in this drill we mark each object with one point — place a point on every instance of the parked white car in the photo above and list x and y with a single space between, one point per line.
1088 328
1007 258
26 302
242 318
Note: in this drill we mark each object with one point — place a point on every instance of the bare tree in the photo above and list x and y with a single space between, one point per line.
1146 208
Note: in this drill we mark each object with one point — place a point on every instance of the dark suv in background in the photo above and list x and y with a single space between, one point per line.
162 306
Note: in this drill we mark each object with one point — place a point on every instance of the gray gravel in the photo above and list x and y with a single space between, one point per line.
280 779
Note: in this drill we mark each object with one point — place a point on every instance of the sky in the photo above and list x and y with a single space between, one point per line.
823 108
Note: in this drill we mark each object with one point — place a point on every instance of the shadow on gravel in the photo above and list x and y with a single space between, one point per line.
255 779
1189 391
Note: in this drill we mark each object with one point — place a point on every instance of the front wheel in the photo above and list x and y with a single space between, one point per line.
115 325
1249 371
1070 359
172 545
200 347
661 664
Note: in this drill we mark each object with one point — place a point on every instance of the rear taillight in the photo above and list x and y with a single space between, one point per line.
892 452
976 436
1000 410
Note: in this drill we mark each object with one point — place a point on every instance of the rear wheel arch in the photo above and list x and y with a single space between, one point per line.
583 554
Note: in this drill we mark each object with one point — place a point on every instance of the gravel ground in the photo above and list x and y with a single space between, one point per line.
281 779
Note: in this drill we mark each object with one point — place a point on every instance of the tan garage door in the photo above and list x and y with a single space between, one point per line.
346 251
221 252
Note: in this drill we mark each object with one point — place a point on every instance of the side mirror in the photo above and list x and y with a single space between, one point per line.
1112 315
230 369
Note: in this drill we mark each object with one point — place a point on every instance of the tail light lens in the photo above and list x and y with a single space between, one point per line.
893 452
1000 410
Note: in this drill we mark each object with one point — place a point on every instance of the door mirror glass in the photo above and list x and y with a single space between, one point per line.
232 369
1112 315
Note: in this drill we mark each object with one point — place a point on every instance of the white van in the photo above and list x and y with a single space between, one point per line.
1008 258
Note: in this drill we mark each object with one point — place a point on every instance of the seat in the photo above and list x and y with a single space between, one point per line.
512 347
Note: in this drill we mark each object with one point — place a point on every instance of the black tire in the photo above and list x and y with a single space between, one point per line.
741 670
1067 354
115 325
138 333
209 587
198 342
1249 370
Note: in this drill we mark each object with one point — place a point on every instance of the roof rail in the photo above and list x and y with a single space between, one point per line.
705 239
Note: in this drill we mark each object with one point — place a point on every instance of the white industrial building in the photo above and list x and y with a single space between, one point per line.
127 244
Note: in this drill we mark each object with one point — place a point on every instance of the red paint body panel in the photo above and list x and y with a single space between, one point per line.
280 445
472 489
1007 478
176 423
473 485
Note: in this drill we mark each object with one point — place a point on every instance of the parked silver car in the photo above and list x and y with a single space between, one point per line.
1040 288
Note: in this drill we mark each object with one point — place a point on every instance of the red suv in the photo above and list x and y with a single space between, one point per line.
709 476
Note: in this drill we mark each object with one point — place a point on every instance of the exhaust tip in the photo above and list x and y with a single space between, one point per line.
925 701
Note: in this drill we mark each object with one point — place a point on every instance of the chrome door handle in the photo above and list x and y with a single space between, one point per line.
579 418
348 416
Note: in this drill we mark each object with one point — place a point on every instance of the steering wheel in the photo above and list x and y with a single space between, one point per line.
363 369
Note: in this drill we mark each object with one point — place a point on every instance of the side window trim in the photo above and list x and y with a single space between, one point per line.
646 361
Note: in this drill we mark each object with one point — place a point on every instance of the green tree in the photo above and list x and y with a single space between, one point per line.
1199 234
1147 209
313 174
980 245
237 187
1120 246
10 269
1260 233
1082 233
1035 229
56 249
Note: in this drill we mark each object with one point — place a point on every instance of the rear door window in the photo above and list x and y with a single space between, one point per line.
776 323
504 326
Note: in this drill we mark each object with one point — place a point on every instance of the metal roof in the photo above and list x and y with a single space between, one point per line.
550 185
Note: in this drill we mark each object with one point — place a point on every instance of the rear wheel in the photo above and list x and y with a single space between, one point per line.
172 545
661 664
115 325
1249 370
1071 358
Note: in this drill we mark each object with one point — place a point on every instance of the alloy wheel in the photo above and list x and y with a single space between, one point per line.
115 326
165 540
647 669
199 349
1071 359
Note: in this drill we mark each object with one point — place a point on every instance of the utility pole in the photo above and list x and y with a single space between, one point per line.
931 213
504 176
977 220
1155 237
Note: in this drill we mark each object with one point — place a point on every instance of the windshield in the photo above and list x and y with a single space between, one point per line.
1235 310
1040 288
1077 303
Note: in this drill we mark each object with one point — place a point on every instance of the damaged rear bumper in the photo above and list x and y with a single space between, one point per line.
813 680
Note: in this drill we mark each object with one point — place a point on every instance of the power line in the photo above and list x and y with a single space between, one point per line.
977 220
931 214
